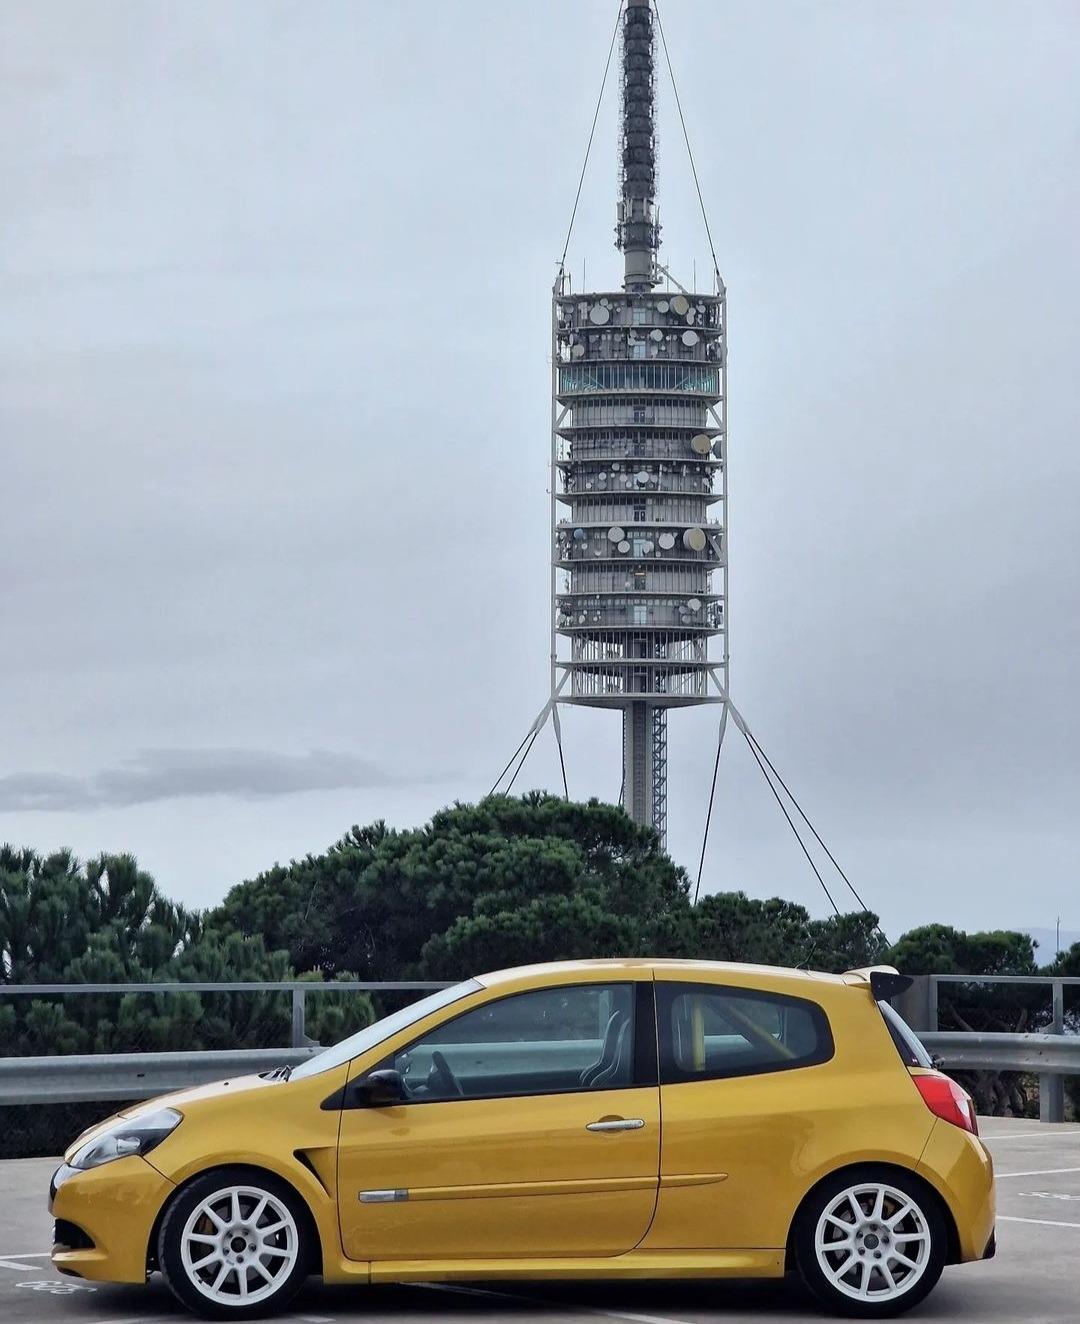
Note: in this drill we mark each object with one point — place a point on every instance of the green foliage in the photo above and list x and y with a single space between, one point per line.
507 881
106 922
501 882
512 881
939 949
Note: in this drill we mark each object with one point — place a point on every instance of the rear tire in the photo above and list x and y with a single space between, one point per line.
870 1242
235 1244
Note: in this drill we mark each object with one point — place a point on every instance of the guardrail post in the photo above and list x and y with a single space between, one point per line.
931 1002
914 1004
299 1010
1052 1086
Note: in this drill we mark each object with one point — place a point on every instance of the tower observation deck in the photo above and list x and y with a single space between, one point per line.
639 490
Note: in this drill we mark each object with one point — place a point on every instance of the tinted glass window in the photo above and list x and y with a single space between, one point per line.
709 1032
548 1041
904 1037
373 1035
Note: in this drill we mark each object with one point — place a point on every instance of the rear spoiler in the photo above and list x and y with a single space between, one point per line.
885 980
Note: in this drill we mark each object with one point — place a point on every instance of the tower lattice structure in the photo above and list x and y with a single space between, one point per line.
639 472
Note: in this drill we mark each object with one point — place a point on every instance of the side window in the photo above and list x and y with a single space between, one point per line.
547 1041
708 1032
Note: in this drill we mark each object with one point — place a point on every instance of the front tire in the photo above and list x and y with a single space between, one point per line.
870 1243
234 1244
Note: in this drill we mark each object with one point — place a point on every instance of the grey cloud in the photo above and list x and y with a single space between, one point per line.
166 774
275 444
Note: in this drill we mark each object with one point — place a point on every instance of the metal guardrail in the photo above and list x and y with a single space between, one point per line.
299 988
86 1077
1036 1052
79 1077
92 1076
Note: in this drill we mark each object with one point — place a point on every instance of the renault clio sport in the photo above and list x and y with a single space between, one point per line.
587 1119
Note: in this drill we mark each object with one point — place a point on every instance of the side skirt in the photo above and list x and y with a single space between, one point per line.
635 1264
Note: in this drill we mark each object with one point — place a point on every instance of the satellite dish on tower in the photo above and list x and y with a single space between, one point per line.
701 444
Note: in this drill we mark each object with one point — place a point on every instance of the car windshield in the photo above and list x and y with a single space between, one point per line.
375 1034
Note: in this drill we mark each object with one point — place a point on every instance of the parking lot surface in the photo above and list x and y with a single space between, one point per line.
1034 1277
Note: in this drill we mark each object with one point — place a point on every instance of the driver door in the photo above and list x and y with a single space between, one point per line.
530 1127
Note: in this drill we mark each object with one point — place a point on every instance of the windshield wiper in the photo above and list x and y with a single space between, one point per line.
278 1073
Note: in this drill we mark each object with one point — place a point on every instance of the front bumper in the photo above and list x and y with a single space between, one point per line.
114 1207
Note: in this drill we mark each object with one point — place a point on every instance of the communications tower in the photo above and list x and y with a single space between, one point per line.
639 471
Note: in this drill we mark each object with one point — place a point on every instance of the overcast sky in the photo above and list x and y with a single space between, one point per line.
274 394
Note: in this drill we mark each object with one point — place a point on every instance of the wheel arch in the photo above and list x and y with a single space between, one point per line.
953 1252
256 1171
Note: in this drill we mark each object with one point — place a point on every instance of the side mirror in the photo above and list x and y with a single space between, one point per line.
378 1089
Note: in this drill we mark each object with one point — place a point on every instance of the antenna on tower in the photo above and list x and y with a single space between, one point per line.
639 473
638 230
639 495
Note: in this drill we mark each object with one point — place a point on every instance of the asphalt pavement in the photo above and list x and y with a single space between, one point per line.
1034 1277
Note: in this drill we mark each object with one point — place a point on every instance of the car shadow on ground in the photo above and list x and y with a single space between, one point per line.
640 1302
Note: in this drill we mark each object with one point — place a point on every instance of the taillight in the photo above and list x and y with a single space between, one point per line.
947 1100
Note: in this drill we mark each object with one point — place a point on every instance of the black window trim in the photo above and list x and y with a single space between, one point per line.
671 1074
645 1070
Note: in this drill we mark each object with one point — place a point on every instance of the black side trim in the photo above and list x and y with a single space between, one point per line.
334 1103
646 1061
884 985
303 1157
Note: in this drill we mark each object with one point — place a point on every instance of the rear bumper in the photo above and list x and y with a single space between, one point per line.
108 1213
960 1169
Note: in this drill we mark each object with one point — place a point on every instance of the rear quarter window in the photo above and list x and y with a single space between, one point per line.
710 1032
908 1045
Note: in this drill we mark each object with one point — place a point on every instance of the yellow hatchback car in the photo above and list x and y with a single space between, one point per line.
587 1119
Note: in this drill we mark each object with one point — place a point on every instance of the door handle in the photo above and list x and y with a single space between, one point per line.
616 1124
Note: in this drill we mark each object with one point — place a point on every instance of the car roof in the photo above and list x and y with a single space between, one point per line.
642 966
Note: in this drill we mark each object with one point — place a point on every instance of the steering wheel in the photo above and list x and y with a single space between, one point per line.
443 1078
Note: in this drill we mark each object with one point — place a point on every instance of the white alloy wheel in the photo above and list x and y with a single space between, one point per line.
239 1246
872 1242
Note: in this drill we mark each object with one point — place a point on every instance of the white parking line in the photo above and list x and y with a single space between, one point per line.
1040 1172
139 1319
539 1301
1042 1222
1033 1135
11 1264
33 1255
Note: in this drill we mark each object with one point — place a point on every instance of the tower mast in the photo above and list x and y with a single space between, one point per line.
639 492
637 232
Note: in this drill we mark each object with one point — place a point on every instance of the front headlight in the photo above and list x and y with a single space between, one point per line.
129 1135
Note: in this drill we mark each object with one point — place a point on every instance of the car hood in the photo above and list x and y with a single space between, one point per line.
181 1100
